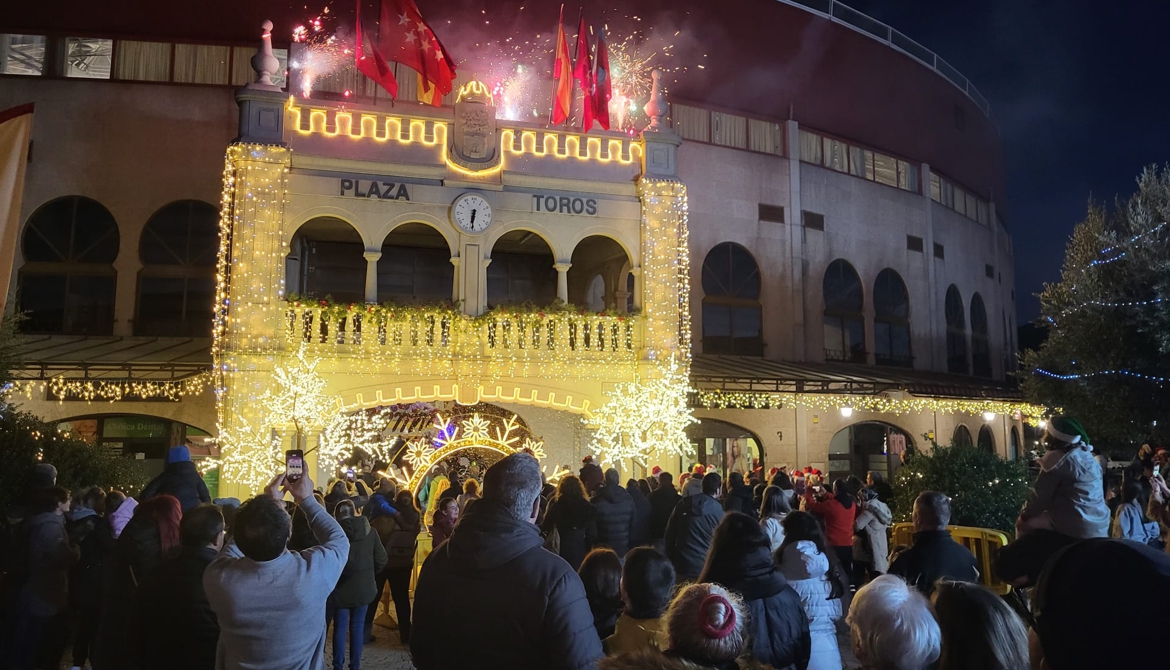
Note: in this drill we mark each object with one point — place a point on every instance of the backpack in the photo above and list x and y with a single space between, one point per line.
401 544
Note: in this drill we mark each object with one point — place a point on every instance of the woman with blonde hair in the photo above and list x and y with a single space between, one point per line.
470 492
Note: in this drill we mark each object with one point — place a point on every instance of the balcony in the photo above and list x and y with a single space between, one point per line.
444 341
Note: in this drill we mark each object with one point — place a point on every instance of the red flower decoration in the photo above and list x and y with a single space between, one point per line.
322 303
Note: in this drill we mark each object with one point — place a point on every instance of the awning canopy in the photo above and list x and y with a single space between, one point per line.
112 358
758 375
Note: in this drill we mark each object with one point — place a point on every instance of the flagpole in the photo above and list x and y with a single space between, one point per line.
556 55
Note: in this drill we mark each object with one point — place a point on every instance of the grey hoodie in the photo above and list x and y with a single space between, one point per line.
1069 491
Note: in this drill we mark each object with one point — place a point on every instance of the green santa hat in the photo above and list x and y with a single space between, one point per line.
1068 430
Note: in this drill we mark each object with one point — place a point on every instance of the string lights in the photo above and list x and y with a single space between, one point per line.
644 417
868 403
114 390
1086 375
476 431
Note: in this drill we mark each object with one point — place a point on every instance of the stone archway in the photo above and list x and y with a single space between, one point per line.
867 445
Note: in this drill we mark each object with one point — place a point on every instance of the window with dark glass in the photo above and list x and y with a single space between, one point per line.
521 271
891 320
415 266
962 437
327 258
844 321
176 288
986 439
980 339
732 315
66 284
956 333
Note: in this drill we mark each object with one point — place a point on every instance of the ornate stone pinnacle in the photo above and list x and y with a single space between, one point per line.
264 63
656 107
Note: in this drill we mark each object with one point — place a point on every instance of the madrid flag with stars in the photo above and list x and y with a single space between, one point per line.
399 35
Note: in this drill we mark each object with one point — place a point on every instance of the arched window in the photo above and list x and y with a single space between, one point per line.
956 333
1014 452
891 320
962 437
844 321
415 266
980 339
176 287
596 275
326 258
732 316
521 270
986 439
67 282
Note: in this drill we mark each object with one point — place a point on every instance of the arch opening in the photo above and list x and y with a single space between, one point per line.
67 283
727 446
415 266
956 333
980 338
598 274
176 286
891 320
843 316
986 439
865 446
521 270
326 258
732 313
962 437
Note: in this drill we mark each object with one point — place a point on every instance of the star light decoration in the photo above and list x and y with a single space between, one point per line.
644 417
474 431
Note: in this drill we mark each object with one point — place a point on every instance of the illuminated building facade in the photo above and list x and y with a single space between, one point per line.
846 286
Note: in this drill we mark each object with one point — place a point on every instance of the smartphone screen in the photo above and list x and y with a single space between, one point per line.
349 475
294 464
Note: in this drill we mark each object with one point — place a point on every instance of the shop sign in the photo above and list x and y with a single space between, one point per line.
134 427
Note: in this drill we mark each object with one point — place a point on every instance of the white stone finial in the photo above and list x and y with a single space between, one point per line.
656 107
264 63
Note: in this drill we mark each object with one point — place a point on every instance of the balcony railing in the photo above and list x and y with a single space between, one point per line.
447 336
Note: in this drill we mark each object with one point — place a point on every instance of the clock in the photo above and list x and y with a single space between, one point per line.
472 213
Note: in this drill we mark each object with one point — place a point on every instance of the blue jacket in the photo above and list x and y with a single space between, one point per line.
1131 526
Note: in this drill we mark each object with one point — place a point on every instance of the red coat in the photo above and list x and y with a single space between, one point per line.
838 520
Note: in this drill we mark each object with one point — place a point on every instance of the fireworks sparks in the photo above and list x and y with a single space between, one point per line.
321 51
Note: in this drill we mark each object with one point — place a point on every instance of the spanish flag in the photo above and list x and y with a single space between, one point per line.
427 94
15 134
562 76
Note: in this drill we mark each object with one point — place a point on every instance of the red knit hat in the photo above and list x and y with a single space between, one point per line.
655 471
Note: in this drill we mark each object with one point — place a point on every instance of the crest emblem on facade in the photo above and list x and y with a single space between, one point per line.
474 143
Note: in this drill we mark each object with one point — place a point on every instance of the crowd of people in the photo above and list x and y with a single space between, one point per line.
782 570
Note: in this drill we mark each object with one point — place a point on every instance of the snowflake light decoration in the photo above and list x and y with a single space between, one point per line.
475 431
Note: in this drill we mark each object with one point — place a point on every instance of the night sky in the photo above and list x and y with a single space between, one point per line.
1080 91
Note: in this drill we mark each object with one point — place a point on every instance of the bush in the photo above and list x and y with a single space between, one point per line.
986 491
24 437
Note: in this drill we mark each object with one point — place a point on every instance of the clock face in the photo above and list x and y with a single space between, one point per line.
472 213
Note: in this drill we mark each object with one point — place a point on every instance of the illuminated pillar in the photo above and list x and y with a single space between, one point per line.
372 275
562 280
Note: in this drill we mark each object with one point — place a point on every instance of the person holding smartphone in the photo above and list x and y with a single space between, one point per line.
269 600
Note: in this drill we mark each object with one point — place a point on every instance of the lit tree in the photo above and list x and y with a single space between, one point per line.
644 417
1107 357
360 430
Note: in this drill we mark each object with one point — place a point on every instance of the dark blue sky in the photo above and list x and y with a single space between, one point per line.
1080 91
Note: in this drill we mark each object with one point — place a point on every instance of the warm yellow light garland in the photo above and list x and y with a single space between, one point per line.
114 390
869 403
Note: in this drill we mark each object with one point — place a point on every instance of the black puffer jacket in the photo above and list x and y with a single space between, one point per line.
177 627
739 499
94 537
688 533
521 606
640 534
179 479
136 555
662 503
367 557
615 518
779 632
575 521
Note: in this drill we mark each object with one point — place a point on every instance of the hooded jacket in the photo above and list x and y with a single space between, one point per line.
521 606
356 586
871 523
693 487
136 555
807 571
181 480
838 518
575 522
1068 491
178 628
92 534
49 557
739 499
121 516
640 534
688 534
615 518
777 626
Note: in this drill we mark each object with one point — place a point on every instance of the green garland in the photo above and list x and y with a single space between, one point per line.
398 312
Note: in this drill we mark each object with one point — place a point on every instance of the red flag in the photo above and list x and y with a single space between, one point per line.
583 73
562 75
403 37
601 84
372 64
